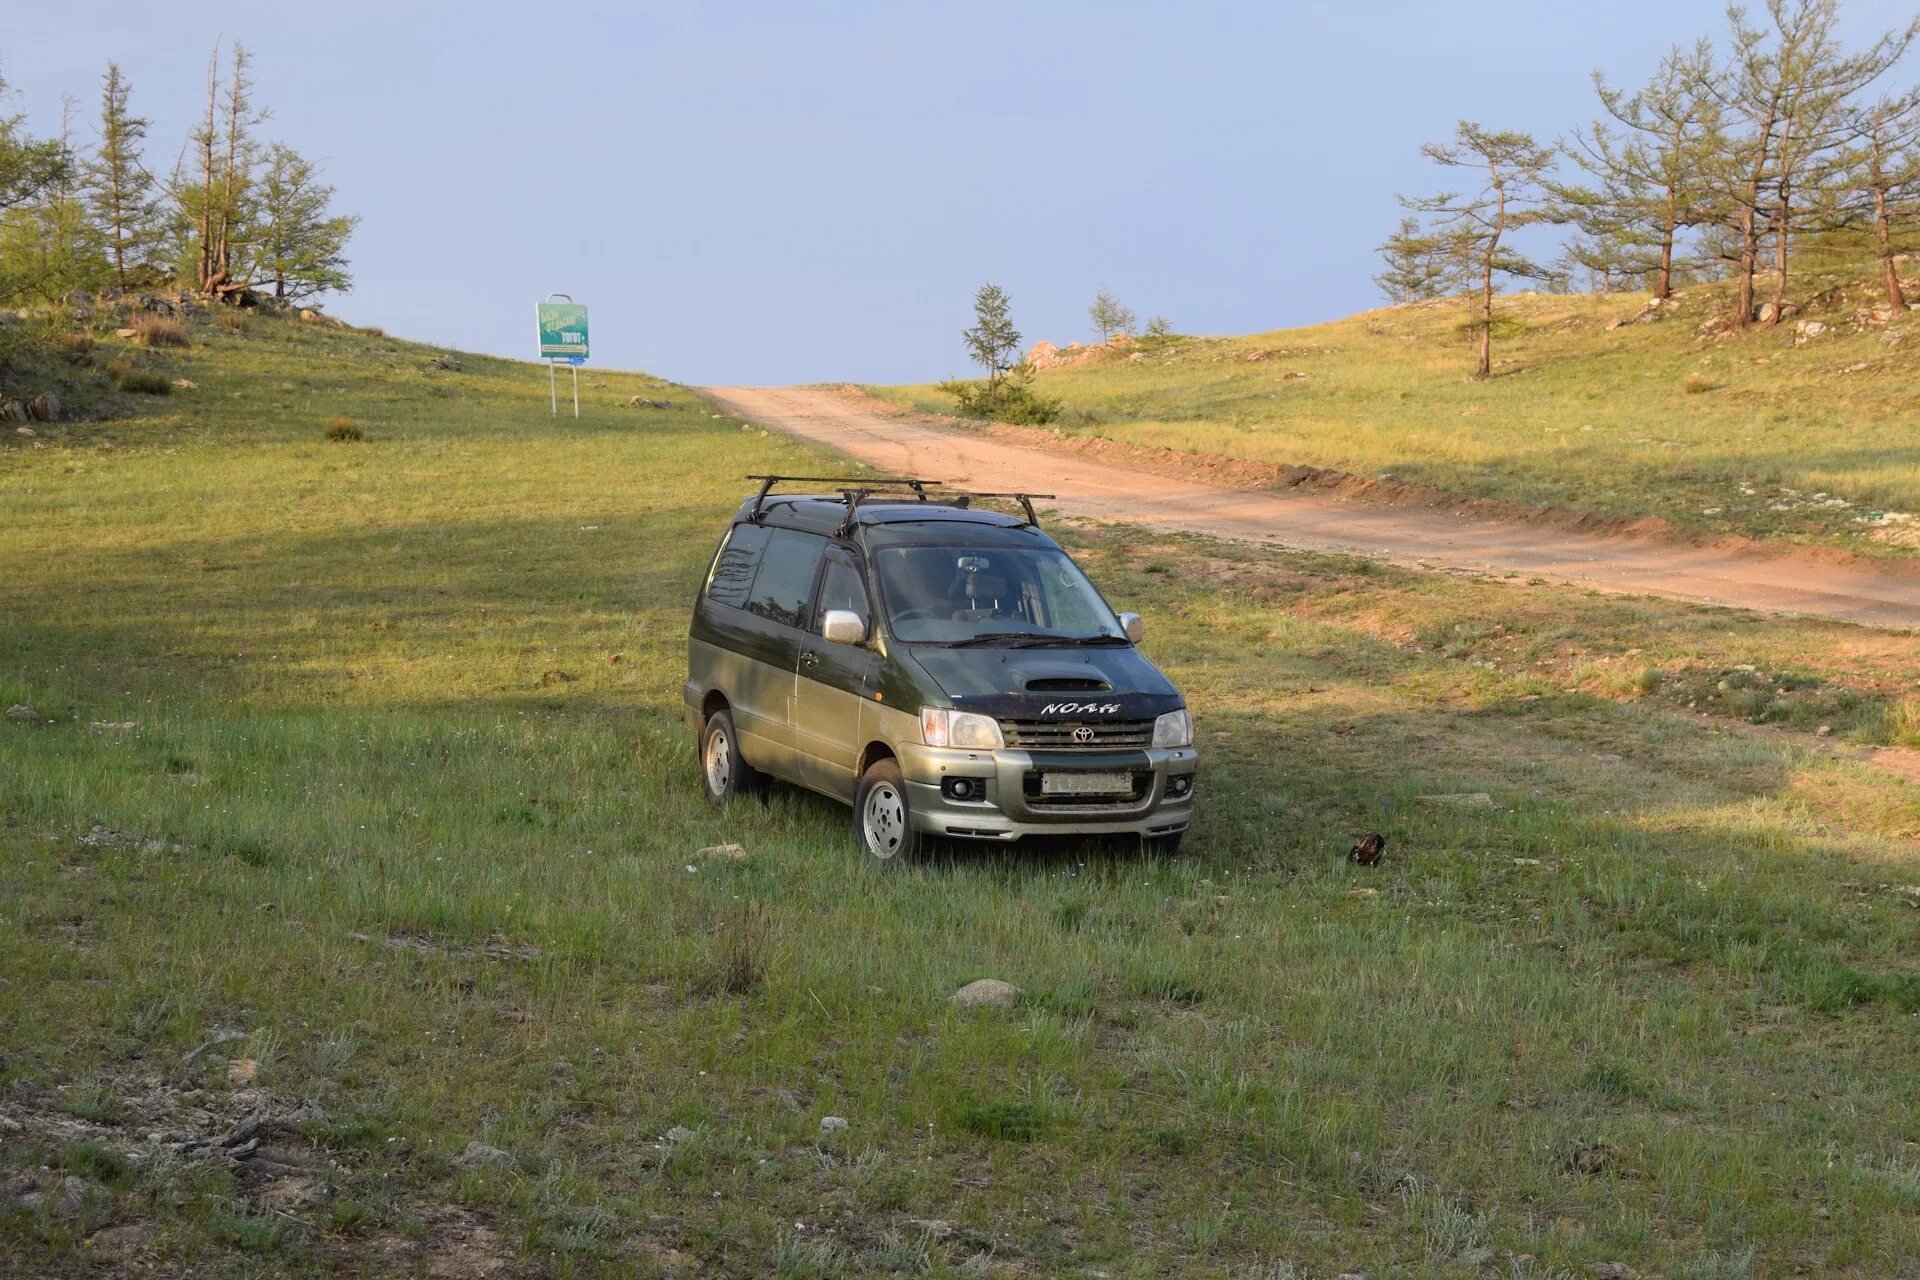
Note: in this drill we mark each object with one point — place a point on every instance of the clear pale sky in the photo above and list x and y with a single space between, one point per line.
781 192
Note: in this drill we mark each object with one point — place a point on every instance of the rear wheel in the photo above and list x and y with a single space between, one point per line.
724 772
882 818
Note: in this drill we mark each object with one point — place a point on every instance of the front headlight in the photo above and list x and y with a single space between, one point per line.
1174 729
941 727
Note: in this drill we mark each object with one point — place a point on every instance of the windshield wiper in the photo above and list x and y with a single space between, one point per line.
1030 640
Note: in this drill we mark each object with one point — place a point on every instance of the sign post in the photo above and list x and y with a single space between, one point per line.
563 336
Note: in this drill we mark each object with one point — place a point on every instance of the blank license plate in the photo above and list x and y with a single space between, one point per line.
1086 784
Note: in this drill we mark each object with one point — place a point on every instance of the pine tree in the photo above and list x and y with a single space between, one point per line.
1471 232
49 246
299 247
120 192
215 201
28 165
1884 190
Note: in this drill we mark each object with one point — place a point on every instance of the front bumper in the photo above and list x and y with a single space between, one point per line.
1007 806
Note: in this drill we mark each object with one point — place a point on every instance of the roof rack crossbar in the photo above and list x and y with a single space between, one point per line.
767 482
1025 500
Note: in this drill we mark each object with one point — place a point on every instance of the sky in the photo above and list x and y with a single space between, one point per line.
772 193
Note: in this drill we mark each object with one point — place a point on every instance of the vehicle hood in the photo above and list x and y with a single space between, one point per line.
1036 682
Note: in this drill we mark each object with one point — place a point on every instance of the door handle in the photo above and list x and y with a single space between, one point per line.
809 658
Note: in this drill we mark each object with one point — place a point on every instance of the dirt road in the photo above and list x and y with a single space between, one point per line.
910 444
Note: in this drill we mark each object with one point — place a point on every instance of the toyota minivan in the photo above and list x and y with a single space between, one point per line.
945 668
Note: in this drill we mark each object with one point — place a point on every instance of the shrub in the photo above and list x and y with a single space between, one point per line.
373 331
1013 400
1159 327
234 320
1697 384
79 348
142 382
741 943
344 429
159 331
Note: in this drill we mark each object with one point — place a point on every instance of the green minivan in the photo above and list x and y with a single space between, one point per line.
945 668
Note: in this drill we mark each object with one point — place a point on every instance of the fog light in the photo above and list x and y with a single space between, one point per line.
963 788
1179 786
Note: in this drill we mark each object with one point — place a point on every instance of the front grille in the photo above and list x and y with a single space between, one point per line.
1063 735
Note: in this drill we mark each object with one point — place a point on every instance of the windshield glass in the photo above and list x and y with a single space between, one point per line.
991 595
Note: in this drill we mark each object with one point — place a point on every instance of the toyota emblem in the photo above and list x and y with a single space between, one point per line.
1083 734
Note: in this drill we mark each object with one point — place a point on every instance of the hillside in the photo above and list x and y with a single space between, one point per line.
1809 432
354 823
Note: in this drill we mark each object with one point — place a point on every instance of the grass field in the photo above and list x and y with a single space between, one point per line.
365 779
1748 435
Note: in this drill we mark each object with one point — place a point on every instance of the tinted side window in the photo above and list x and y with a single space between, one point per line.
841 588
733 571
785 581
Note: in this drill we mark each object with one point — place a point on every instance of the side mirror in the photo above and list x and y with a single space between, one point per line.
1133 626
843 626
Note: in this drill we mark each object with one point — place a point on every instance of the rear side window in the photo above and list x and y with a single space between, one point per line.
785 581
733 571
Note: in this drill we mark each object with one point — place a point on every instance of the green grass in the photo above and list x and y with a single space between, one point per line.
1747 435
410 833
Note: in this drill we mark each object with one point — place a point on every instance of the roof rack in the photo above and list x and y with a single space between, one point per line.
767 482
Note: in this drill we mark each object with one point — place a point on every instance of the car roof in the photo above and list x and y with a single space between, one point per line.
822 513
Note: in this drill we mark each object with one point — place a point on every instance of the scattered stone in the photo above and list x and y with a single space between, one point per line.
1611 1271
479 1155
44 407
126 334
186 384
69 1199
242 1071
21 713
444 362
1589 1160
113 726
105 837
121 1240
832 1124
723 853
1460 799
986 991
1824 731
679 1134
641 402
548 678
13 411
1526 862
28 432
1363 893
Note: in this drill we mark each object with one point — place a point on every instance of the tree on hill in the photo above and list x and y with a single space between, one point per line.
1108 315
48 245
1651 159
121 194
1473 231
992 340
1789 83
30 168
299 246
215 200
1414 264
1884 193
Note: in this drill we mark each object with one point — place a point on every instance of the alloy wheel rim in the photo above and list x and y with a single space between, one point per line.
885 821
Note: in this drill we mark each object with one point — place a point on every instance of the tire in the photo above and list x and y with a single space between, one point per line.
724 772
882 818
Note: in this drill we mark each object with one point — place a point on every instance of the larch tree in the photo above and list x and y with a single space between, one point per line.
299 244
992 340
121 193
1651 158
1883 191
1109 315
216 198
1474 230
28 165
48 244
1413 264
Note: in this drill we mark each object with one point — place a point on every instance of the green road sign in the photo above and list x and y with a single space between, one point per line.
563 329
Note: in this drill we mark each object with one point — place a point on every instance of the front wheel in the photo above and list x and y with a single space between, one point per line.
724 772
882 820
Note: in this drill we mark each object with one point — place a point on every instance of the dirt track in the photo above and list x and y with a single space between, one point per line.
916 445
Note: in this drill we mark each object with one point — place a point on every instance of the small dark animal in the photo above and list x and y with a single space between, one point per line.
1367 852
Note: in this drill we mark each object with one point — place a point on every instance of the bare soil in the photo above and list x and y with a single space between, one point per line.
1314 510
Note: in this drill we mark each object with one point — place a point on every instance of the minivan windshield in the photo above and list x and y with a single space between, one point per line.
991 596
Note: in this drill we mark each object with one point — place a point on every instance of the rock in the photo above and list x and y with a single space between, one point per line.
641 402
186 384
113 726
446 362
44 407
679 1134
832 1124
67 1200
28 432
1136 357
479 1155
986 991
21 713
105 837
1611 1271
723 853
1044 355
119 1241
127 335
1807 331
242 1071
1824 731
13 411
1460 799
